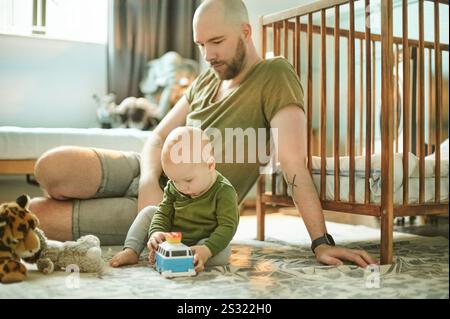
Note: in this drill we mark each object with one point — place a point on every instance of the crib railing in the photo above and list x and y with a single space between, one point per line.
289 26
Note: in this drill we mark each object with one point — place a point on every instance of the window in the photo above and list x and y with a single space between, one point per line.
179 253
77 20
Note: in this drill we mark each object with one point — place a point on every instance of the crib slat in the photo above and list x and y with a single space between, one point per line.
286 39
431 133
396 99
387 156
361 94
438 102
368 107
406 103
274 183
279 38
336 104
309 75
263 29
274 39
297 45
323 102
294 48
374 72
351 101
421 106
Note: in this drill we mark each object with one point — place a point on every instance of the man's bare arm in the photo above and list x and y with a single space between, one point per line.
149 191
291 125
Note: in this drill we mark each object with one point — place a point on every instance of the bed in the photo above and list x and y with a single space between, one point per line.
372 94
20 147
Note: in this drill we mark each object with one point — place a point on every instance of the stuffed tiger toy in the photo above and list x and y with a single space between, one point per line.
18 238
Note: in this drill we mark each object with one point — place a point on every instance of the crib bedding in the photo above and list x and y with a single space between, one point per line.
375 178
18 143
375 190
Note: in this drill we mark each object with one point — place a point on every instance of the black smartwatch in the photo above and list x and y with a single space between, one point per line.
325 239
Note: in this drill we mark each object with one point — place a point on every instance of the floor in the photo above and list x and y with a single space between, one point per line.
281 267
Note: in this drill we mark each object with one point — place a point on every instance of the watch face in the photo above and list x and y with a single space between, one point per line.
329 239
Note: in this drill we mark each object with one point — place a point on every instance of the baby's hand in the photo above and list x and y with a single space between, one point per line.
155 239
151 257
201 256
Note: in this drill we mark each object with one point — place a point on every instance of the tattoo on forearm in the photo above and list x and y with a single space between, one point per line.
290 184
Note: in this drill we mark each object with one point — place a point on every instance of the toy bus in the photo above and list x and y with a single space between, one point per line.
173 258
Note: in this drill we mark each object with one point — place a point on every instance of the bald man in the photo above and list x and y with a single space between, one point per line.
239 90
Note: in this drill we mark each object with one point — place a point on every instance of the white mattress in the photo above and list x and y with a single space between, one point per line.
30 143
375 192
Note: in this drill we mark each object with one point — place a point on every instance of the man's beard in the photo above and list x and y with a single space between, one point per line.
236 65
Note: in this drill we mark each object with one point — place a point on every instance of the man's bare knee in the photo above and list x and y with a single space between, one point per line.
55 217
69 172
45 169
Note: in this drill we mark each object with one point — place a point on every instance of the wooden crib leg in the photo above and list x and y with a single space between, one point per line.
387 240
260 207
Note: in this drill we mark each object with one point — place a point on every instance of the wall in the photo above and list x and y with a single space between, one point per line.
50 83
257 8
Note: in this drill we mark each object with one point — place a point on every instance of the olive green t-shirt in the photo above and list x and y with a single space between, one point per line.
268 87
213 215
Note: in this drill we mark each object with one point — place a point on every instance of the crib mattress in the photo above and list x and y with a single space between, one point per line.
29 143
375 192
375 178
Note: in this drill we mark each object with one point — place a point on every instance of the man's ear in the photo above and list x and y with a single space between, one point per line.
246 31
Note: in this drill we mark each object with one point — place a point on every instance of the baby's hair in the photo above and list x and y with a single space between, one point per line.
187 145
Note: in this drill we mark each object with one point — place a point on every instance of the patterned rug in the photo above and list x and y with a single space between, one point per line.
270 269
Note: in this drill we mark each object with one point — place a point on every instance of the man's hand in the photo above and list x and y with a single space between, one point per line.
201 256
155 239
335 255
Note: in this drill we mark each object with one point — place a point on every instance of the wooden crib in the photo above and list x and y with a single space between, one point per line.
290 33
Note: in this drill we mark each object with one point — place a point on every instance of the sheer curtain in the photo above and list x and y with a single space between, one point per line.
142 30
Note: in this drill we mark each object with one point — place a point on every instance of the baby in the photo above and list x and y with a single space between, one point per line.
198 202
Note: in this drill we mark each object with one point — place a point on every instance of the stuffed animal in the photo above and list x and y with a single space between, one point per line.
21 239
18 239
83 255
138 113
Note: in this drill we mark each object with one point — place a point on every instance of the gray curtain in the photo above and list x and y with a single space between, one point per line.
142 30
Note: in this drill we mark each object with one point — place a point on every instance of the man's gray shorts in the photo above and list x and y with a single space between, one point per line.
111 212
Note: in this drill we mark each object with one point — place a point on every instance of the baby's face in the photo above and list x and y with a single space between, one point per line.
190 179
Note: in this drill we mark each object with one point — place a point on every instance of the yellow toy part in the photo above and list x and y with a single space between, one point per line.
173 237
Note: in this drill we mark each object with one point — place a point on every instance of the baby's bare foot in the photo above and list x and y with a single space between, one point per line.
126 257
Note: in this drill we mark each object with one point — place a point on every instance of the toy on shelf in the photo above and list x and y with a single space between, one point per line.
173 258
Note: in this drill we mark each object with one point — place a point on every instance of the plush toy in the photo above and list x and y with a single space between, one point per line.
21 239
18 239
83 255
166 79
138 113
